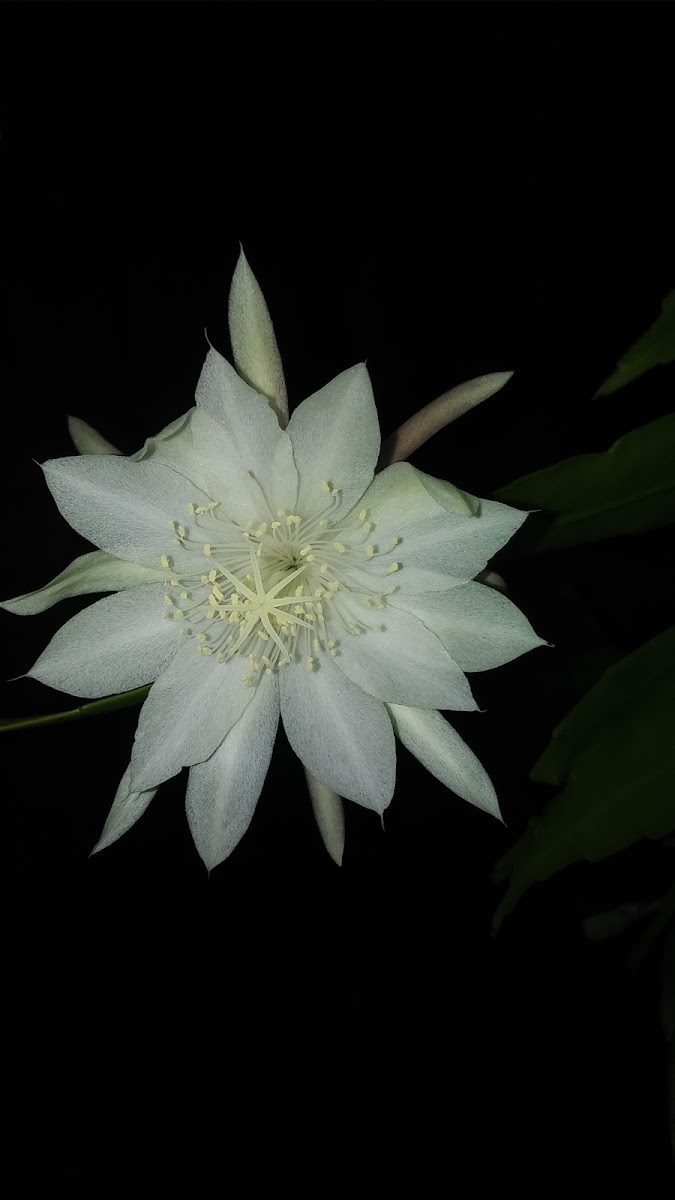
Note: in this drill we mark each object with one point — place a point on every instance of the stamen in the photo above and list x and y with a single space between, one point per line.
268 606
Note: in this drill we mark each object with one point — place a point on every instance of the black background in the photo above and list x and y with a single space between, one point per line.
443 190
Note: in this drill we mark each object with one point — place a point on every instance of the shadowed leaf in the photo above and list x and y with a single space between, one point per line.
629 488
615 757
655 348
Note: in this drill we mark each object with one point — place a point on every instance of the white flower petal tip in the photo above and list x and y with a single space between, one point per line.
88 440
342 736
223 791
447 537
479 627
188 713
445 755
254 345
335 435
126 809
329 813
133 645
440 412
90 573
125 508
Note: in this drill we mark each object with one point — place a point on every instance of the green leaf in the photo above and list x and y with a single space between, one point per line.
627 489
655 348
614 754
615 921
645 674
94 709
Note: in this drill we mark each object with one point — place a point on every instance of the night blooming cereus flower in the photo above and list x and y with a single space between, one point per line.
260 567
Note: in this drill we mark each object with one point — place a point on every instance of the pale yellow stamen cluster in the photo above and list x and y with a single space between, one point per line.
269 608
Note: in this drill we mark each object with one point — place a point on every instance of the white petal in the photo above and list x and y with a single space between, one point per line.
125 507
254 346
251 480
94 572
223 791
118 643
127 807
88 440
253 441
449 497
188 712
336 439
172 447
341 735
438 547
480 627
404 663
441 750
329 812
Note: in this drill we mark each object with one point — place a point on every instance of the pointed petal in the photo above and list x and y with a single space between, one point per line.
435 416
404 662
438 547
252 480
254 346
124 507
94 572
250 440
188 712
127 807
223 791
336 438
172 447
479 626
449 497
114 645
341 735
329 812
441 750
164 441
88 440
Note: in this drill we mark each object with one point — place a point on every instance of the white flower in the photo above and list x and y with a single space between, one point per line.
260 571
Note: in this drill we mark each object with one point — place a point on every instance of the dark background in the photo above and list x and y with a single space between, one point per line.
443 190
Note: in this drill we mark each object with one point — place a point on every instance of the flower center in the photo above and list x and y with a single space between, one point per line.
282 590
